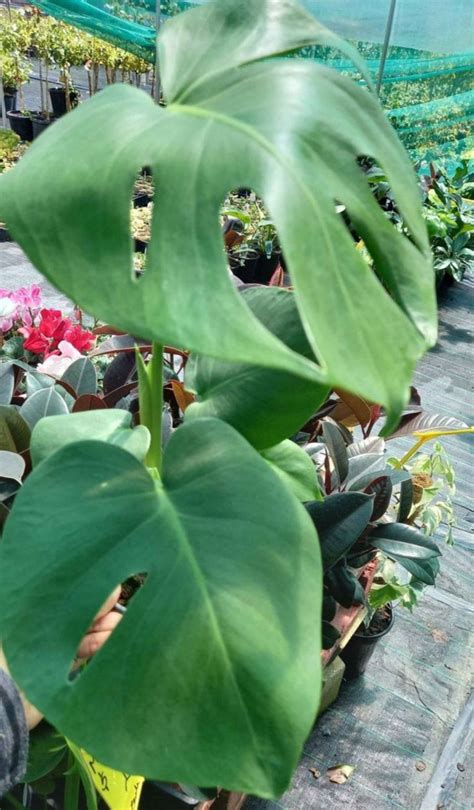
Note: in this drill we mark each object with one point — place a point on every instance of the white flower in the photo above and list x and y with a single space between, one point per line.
56 364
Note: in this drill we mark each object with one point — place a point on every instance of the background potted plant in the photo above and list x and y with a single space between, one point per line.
43 31
15 40
15 72
68 49
410 496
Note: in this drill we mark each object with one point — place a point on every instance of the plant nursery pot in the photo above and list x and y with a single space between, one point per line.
348 620
266 267
9 94
142 200
40 124
162 796
140 246
58 100
245 270
22 124
4 235
358 652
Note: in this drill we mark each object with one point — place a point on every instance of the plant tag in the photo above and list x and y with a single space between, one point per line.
118 790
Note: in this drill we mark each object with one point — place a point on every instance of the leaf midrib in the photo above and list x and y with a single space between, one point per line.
201 583
255 135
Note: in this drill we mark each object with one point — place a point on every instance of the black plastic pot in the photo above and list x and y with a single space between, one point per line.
244 269
142 200
9 94
4 235
140 246
266 267
360 649
40 124
22 124
58 100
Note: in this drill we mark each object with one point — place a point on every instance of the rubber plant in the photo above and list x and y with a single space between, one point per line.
213 675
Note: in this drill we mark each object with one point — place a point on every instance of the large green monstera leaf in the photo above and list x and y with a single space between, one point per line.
212 677
292 130
263 404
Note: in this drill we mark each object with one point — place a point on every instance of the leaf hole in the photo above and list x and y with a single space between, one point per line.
141 216
251 240
106 622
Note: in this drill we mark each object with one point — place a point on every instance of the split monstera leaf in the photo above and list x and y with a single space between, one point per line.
213 675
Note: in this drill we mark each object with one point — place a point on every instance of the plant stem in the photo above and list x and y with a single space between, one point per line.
410 453
150 394
72 783
67 89
430 435
14 802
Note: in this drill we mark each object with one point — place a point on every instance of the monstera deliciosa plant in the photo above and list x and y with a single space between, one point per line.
213 675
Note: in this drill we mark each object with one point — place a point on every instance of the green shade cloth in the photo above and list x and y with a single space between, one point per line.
428 78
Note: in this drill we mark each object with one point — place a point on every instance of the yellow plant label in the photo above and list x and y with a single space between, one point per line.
118 790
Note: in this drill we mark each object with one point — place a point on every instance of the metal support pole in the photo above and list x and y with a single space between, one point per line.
2 101
157 85
386 44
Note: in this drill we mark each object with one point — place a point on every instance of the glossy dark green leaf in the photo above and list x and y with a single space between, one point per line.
330 635
363 469
223 128
8 488
45 402
233 568
340 520
343 586
405 501
336 447
295 469
381 489
419 568
405 541
264 405
329 607
112 426
82 376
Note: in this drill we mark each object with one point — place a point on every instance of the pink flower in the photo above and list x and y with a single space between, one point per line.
26 304
29 297
56 364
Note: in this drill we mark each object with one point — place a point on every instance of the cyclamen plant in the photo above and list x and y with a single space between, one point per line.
216 666
18 308
50 340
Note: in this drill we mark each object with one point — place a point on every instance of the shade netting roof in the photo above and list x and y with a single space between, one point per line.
427 84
